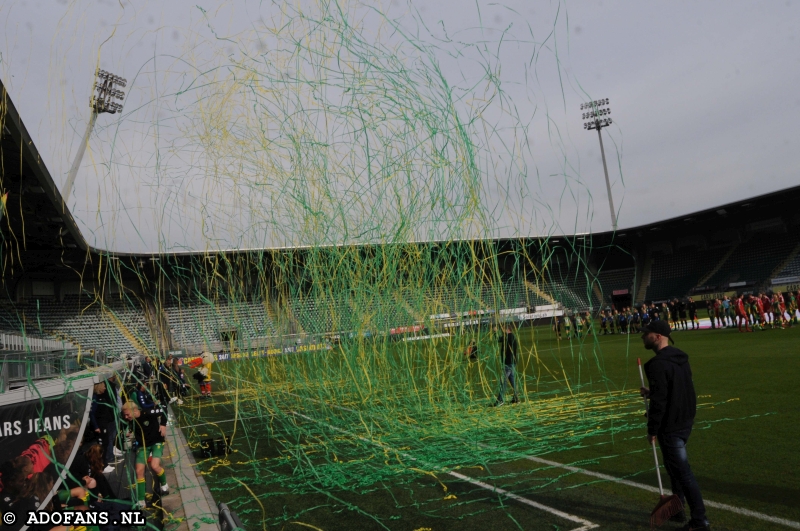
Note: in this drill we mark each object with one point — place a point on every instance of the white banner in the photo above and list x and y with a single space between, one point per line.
513 311
419 338
461 323
540 315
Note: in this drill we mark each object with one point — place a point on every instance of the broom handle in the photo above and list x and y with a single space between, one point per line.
655 454
658 470
641 377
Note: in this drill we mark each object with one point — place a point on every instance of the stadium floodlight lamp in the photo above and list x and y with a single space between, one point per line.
100 103
106 91
597 109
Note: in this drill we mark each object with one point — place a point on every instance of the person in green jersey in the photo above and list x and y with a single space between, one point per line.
792 308
589 324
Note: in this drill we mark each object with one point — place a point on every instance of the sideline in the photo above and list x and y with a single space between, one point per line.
198 504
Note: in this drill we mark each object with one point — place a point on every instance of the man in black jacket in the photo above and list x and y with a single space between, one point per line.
103 417
692 307
673 403
508 350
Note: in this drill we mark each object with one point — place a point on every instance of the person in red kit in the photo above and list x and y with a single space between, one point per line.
718 313
766 304
741 315
778 309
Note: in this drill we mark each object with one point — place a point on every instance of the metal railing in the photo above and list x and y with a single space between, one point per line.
25 343
18 367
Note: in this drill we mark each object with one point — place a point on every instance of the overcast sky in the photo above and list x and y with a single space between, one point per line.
704 97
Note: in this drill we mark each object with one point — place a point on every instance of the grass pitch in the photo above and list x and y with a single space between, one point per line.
740 450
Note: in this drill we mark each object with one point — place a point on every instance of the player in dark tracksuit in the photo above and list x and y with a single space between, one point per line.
691 306
673 403
682 314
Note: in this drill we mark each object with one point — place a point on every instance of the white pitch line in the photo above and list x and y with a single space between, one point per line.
716 505
585 524
572 518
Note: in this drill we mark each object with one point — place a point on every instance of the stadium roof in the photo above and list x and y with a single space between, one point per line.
41 234
36 222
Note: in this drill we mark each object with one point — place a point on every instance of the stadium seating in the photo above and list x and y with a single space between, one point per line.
570 287
755 260
200 322
11 321
792 269
511 294
615 279
87 322
121 326
674 275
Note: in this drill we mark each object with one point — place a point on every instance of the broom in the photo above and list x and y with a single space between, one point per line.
667 506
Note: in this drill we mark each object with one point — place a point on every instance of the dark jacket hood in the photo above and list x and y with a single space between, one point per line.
673 355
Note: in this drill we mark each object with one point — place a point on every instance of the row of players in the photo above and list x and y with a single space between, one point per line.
759 311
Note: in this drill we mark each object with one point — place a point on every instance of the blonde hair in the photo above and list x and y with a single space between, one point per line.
131 405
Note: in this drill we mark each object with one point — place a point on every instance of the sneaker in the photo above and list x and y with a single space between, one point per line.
173 399
118 452
498 403
515 400
141 504
696 527
109 469
180 402
164 490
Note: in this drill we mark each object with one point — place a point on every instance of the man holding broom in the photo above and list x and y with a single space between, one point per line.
673 403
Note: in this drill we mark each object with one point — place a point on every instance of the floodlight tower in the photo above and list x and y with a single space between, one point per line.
102 102
595 111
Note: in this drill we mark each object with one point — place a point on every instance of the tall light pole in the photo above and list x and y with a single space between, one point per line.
594 112
102 102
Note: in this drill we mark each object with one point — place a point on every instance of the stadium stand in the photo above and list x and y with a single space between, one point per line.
674 275
511 295
570 287
791 269
86 322
202 322
755 260
310 318
615 279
